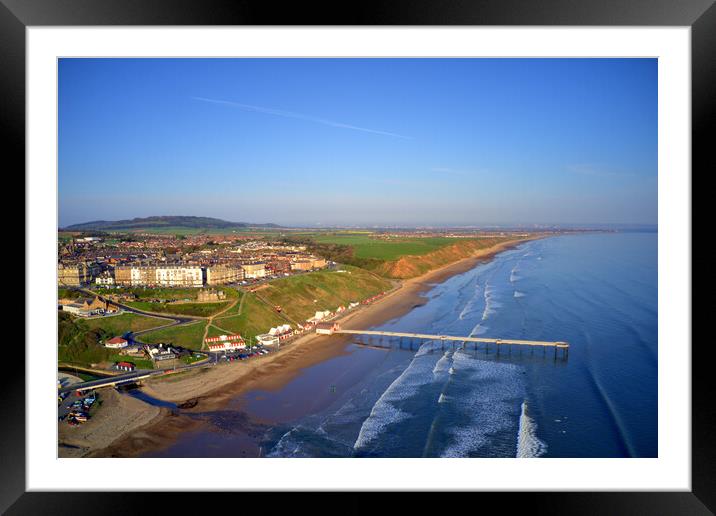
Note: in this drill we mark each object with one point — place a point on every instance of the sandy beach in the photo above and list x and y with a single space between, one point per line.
119 415
211 388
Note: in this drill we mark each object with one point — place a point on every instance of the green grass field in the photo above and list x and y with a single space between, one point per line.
143 293
236 309
301 296
188 336
196 309
366 246
121 324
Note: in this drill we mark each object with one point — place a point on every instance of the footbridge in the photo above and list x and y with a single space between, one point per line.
110 381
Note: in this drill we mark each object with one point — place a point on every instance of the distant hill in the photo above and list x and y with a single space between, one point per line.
163 222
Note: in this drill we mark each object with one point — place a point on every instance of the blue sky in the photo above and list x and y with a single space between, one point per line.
359 141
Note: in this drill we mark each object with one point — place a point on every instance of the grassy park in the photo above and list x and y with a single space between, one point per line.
185 335
123 323
192 309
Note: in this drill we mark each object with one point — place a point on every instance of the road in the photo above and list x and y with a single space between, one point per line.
138 374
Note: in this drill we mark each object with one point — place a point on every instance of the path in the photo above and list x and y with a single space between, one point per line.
210 320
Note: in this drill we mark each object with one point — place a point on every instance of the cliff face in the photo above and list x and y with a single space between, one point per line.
412 266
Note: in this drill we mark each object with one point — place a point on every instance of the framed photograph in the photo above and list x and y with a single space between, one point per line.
423 248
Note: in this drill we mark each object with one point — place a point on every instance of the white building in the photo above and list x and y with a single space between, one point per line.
319 316
225 343
76 309
116 343
181 276
226 346
327 328
267 339
106 278
254 270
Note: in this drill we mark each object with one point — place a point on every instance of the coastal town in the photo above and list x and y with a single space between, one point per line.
146 260
147 304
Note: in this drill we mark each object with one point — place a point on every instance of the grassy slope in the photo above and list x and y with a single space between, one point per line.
236 309
198 309
185 335
121 324
255 318
79 344
330 289
65 293
412 266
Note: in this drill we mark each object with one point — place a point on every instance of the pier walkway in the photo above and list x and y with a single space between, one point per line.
564 346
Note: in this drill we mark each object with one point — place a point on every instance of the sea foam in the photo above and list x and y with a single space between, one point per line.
528 444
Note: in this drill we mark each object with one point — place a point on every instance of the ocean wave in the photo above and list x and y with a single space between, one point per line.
489 411
385 411
286 446
519 294
479 329
528 444
470 305
441 365
303 442
490 304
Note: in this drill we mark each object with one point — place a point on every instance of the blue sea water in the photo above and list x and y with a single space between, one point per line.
596 291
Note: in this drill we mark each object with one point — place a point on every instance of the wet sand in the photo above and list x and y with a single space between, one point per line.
212 388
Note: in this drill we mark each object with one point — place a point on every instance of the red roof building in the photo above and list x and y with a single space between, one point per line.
116 342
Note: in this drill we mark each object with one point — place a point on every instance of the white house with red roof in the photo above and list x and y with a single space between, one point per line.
116 343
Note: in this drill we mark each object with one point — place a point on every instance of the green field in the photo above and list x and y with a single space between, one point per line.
148 293
236 309
152 293
301 296
195 309
367 246
186 335
121 324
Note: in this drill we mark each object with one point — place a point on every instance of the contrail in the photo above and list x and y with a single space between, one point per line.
299 116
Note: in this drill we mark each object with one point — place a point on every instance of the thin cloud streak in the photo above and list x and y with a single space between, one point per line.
587 169
299 116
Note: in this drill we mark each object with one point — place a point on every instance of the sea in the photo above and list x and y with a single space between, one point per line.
400 398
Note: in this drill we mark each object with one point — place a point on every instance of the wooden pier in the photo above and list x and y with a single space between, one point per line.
556 345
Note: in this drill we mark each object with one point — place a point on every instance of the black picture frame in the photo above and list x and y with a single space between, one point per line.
700 15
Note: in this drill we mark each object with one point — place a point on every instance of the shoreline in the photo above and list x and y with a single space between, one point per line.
212 388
